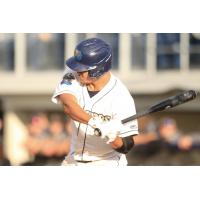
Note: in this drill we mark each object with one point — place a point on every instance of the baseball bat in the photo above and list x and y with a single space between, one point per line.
160 106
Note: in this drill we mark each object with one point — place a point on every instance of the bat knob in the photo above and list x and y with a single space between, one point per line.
97 132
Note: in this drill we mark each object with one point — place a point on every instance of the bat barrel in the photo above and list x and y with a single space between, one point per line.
165 104
183 98
174 101
187 96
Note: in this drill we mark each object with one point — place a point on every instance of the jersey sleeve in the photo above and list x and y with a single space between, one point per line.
123 107
68 87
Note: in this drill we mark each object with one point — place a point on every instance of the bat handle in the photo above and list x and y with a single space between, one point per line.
97 132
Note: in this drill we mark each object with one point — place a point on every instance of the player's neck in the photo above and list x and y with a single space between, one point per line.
99 84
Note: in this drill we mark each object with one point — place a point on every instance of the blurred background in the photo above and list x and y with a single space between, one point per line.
34 131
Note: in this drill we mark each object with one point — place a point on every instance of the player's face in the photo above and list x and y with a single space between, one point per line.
84 78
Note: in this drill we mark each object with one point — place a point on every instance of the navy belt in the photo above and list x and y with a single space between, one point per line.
83 161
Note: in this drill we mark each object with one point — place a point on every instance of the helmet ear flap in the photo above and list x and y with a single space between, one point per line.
100 70
95 73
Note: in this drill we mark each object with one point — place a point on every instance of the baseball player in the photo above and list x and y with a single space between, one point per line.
94 98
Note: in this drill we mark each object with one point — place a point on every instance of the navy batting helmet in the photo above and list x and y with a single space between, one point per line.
92 55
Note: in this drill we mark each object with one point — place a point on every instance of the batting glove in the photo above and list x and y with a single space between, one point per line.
94 122
110 130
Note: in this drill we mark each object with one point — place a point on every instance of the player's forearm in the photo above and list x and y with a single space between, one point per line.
77 113
73 110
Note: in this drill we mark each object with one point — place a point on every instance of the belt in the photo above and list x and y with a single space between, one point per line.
84 161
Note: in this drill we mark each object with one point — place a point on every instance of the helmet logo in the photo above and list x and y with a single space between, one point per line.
92 67
78 55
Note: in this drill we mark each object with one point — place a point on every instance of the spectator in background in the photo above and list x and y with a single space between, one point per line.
173 137
156 142
39 124
69 127
59 136
164 143
147 142
185 143
48 141
190 141
169 132
148 131
39 138
154 137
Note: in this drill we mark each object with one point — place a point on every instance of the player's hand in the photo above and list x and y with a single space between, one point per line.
110 130
94 122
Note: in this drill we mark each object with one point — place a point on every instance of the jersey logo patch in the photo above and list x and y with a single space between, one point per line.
65 82
99 115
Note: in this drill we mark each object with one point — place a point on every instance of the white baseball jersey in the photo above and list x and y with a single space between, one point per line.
112 102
